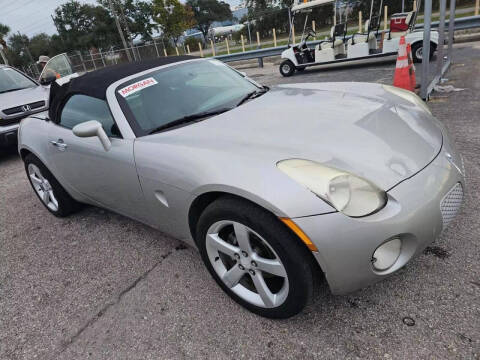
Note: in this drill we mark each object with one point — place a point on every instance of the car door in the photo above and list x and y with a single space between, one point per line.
106 177
59 66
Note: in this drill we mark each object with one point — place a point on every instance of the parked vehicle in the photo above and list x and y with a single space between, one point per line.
357 48
20 96
270 185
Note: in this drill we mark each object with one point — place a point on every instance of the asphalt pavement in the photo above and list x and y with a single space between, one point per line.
98 285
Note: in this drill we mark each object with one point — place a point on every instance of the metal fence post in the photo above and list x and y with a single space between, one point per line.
93 61
138 53
441 37
451 28
81 59
213 47
260 59
101 57
156 48
427 10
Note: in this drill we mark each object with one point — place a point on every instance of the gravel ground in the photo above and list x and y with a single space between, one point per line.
98 285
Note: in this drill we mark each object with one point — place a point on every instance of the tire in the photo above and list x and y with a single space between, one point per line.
417 50
269 239
56 200
287 68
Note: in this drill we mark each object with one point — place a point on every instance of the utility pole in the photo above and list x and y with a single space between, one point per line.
249 35
117 23
127 30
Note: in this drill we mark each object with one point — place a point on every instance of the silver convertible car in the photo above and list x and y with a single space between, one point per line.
271 185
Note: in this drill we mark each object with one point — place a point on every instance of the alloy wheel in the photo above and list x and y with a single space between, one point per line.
247 264
42 187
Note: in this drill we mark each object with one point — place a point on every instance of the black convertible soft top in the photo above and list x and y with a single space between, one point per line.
95 83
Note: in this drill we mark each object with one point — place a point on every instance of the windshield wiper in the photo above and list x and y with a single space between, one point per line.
253 95
188 119
10 90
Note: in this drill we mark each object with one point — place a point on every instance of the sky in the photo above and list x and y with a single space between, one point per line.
31 17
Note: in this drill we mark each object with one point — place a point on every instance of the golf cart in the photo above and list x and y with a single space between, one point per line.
356 48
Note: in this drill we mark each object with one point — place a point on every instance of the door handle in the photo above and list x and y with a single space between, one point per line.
59 144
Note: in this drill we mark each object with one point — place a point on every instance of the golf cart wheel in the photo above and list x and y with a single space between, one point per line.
417 51
255 258
287 68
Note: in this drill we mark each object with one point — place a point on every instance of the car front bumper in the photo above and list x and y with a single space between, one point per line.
416 211
8 135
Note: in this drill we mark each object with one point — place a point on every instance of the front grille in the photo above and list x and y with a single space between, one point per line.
14 110
18 109
36 105
451 203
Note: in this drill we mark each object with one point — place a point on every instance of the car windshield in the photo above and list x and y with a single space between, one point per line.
183 93
11 80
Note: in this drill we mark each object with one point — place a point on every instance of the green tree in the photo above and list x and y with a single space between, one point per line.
40 44
82 26
138 15
208 11
17 55
173 18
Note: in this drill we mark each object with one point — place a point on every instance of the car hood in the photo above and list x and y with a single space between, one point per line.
357 127
24 96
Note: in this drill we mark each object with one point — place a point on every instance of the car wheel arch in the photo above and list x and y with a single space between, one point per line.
24 152
202 201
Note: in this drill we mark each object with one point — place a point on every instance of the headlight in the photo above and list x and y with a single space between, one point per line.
348 193
409 96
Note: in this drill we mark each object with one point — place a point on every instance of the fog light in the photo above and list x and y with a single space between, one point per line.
386 254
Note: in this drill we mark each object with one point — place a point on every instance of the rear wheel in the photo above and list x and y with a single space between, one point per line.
254 258
417 51
287 68
52 195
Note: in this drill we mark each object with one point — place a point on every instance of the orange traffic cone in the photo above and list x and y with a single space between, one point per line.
411 66
402 78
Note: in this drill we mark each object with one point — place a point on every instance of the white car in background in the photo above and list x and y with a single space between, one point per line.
20 96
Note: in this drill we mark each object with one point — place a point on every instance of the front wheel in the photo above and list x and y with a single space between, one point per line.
254 258
287 68
417 51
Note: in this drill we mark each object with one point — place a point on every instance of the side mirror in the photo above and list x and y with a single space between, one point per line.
93 128
48 79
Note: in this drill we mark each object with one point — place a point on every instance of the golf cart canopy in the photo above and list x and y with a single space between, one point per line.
304 5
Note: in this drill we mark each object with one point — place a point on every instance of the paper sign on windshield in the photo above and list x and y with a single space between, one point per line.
133 88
